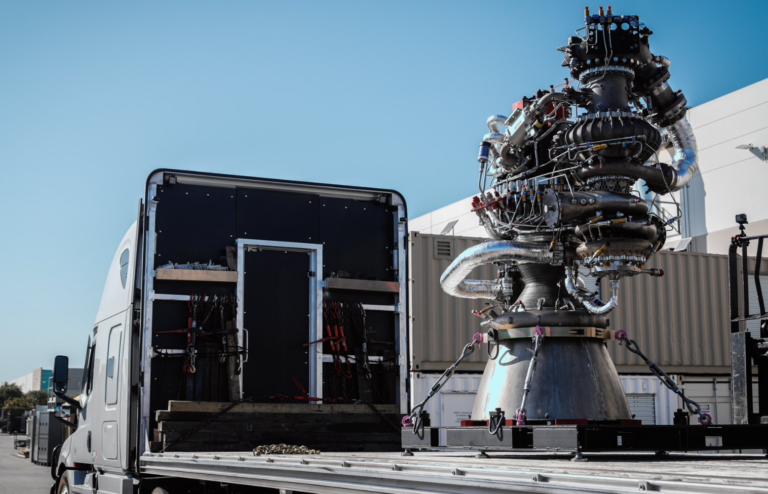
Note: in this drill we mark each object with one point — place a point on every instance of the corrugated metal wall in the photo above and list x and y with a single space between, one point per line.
753 260
440 324
680 320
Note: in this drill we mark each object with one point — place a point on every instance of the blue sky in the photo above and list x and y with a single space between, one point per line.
95 95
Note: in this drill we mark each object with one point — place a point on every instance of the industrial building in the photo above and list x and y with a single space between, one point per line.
37 380
40 380
680 320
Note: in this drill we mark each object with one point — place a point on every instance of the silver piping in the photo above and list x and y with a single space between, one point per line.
662 60
591 307
454 282
496 142
496 123
685 155
496 168
541 103
493 138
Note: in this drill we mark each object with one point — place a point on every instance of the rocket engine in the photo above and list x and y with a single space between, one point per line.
557 192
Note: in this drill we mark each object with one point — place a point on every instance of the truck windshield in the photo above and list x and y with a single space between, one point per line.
84 380
87 383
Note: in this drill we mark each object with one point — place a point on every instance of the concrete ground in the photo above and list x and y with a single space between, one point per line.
19 475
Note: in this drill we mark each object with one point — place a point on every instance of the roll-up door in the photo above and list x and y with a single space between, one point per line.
643 406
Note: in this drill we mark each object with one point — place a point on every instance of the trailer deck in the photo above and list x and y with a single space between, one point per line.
461 472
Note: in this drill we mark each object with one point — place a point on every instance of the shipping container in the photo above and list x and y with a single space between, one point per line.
649 400
441 324
680 321
754 301
713 394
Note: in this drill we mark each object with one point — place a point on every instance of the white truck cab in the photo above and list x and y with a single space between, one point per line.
101 437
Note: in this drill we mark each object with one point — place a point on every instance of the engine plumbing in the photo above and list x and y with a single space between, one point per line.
558 196
558 175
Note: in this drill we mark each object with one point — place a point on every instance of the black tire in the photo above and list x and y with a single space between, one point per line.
63 485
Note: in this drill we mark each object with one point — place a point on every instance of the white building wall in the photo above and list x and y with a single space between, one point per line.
30 382
730 180
468 224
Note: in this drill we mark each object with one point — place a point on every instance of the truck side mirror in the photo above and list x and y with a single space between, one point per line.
60 374
61 379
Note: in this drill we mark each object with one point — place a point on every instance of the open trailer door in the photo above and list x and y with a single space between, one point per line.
287 295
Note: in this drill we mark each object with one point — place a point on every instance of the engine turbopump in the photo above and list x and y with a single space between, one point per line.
562 171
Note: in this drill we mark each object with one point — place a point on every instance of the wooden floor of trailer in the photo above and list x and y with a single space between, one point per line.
461 472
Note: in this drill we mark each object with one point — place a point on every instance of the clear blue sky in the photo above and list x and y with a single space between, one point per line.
95 95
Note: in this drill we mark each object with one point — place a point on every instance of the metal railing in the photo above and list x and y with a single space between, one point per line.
747 350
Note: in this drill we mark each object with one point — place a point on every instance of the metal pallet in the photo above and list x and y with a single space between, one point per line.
585 438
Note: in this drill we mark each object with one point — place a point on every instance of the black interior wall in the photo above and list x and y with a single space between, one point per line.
276 306
197 223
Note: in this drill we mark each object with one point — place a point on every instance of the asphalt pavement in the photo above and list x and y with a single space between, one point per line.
20 475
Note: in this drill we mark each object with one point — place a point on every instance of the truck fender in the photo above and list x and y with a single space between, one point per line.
55 464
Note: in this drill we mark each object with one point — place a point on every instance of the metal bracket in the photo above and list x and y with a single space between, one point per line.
553 332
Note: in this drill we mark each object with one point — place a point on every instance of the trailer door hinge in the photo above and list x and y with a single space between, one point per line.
311 274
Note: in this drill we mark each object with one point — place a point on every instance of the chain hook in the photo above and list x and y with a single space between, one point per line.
496 421
493 337
694 408
705 419
415 417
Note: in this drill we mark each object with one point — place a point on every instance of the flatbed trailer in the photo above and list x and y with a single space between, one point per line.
172 375
461 472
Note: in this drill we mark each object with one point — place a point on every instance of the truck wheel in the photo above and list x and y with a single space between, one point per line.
63 485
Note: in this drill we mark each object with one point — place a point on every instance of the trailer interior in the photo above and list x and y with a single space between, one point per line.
283 303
